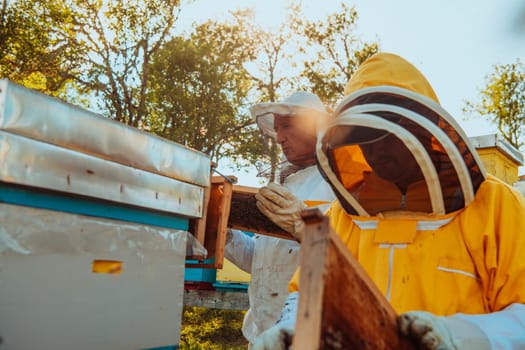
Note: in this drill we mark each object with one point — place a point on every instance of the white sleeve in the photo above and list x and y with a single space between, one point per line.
289 311
505 329
239 249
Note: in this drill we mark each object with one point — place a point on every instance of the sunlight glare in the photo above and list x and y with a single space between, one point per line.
270 14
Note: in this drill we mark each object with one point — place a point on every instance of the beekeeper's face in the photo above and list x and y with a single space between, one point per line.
297 137
391 160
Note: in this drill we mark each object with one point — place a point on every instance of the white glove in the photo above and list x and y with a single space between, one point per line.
282 207
442 333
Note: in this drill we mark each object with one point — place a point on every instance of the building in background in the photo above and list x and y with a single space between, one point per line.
500 158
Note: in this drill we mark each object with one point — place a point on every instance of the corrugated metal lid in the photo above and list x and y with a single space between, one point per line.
46 119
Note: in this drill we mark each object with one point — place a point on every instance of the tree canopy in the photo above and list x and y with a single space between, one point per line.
336 51
199 89
124 59
37 46
502 101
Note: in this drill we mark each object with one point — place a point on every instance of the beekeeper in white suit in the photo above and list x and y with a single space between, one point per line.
293 123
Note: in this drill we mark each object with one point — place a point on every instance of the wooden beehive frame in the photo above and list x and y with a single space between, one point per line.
340 307
245 216
227 205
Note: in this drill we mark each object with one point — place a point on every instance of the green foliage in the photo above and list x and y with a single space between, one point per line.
37 44
119 38
212 329
199 89
98 48
122 58
274 57
272 79
334 52
503 101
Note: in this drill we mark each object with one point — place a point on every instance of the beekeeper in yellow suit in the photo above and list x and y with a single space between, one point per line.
443 240
293 124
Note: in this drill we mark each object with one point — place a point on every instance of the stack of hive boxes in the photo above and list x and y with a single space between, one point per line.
93 227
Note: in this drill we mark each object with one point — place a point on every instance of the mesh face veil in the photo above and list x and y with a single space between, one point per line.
390 149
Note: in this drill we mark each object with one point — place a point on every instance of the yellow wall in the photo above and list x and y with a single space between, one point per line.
231 273
498 164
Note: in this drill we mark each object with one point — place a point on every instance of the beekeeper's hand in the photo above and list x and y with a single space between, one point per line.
282 207
442 333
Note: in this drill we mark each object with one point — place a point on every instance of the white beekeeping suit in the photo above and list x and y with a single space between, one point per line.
272 261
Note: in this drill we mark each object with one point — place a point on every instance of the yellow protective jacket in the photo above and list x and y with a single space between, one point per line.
469 262
451 242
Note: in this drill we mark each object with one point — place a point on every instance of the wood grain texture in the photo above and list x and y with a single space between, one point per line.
215 220
340 307
197 227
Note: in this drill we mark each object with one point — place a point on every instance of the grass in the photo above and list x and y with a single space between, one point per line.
212 329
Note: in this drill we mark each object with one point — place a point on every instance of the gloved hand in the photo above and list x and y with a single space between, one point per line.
278 337
442 333
282 207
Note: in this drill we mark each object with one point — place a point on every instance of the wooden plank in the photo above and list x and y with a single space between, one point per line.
245 216
340 307
216 220
310 309
197 227
216 299
222 224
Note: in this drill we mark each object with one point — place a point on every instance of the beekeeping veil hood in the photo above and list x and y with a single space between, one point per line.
299 104
390 115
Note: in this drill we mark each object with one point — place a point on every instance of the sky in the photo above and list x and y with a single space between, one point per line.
455 43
